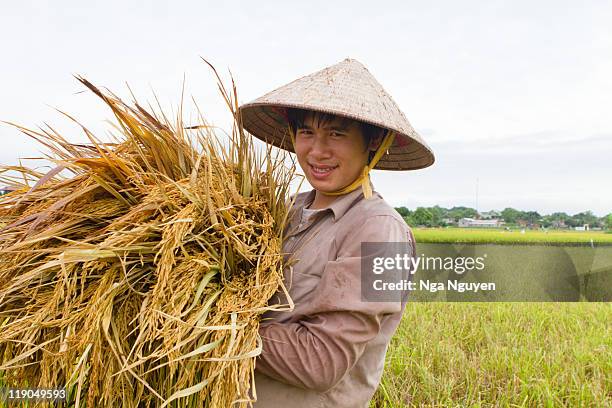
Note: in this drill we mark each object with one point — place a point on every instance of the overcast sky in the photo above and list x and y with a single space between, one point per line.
514 97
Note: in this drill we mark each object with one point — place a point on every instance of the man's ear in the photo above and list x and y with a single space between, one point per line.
376 140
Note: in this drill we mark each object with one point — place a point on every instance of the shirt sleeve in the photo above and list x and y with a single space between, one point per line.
318 350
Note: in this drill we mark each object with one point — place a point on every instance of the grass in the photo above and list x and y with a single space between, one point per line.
499 354
498 236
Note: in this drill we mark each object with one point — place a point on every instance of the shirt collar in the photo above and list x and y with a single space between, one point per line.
341 205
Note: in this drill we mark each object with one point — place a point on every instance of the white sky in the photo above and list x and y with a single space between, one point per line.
516 94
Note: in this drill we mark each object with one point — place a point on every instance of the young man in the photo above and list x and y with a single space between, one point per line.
329 351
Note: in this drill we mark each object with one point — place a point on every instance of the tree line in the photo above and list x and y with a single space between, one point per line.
440 217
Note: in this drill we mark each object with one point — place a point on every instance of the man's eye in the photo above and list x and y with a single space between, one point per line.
304 132
333 133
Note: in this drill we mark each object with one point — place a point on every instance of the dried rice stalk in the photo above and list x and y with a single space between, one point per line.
141 279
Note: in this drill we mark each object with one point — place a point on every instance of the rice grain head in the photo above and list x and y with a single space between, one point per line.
141 278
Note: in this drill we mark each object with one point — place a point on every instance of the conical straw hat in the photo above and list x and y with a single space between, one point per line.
346 89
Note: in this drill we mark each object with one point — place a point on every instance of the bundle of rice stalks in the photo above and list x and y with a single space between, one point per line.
140 278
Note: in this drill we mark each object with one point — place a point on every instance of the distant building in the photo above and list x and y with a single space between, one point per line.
471 223
527 224
449 221
559 224
489 215
585 227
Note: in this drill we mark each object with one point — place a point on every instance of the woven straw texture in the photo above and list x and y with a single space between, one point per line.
346 89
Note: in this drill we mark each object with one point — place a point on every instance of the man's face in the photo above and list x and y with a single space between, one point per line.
332 156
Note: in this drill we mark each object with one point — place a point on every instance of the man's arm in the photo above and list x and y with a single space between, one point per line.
312 354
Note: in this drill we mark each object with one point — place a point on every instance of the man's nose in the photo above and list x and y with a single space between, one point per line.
320 147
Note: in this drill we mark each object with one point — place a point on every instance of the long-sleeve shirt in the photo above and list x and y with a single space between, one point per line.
329 351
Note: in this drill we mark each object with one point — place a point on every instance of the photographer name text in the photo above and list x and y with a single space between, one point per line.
426 285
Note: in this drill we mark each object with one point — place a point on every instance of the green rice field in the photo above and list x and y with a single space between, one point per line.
481 354
495 236
500 355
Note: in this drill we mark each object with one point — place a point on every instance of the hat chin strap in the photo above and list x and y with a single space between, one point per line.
364 179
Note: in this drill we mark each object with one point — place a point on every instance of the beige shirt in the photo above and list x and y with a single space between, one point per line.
330 350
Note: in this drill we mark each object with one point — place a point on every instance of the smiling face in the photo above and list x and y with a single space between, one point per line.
332 152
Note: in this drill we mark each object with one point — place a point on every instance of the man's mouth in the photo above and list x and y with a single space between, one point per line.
322 170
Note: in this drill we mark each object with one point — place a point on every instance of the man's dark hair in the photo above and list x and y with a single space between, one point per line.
297 116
